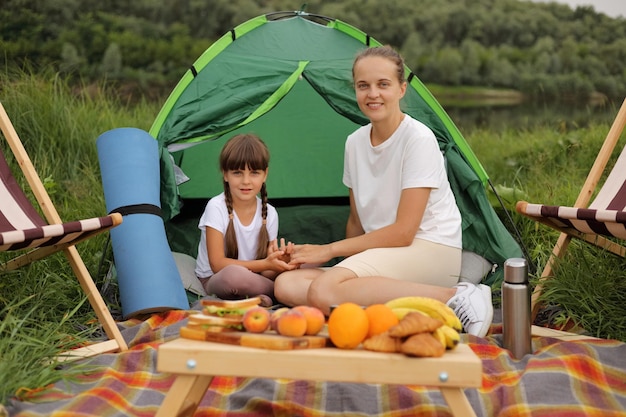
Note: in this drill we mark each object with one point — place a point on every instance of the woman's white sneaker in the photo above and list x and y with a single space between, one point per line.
472 305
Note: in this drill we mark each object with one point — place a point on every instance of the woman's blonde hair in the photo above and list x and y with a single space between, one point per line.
240 152
383 52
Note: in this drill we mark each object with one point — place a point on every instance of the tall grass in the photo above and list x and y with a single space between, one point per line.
31 348
44 311
549 165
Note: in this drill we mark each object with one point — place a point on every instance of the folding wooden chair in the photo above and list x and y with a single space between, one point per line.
597 223
23 229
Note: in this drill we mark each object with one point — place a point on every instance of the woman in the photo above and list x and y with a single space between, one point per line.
403 235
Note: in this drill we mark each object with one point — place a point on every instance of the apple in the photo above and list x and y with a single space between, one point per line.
275 315
291 323
315 319
256 320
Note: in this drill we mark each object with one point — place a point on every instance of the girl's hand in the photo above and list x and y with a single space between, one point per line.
276 263
286 249
310 254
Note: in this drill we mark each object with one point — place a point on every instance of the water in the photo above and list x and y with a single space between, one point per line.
530 115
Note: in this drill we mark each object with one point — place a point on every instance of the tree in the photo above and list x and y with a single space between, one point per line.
499 71
568 54
159 39
111 66
446 68
70 59
471 54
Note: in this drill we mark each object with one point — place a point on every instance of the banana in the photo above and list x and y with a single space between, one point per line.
452 337
400 312
440 336
430 306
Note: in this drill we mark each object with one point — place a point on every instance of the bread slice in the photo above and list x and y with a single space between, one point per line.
229 308
211 323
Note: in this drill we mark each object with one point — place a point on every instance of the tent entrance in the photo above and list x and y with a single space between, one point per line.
306 149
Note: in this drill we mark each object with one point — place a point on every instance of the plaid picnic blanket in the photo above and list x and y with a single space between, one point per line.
560 378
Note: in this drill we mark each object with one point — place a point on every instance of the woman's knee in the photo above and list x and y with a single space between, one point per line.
290 287
323 293
326 290
281 287
318 296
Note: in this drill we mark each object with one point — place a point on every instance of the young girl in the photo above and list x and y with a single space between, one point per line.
403 235
238 255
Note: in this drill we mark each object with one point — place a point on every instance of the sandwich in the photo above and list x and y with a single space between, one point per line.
218 316
214 324
232 309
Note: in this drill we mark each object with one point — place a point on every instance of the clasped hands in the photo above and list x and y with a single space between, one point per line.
280 255
288 256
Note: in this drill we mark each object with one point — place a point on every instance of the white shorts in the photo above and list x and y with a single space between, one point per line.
423 262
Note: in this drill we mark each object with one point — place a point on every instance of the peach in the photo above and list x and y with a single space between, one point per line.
291 323
315 319
275 315
256 320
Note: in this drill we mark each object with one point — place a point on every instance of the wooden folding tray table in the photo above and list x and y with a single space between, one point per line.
196 362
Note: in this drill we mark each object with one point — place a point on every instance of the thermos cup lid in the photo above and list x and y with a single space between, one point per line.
516 271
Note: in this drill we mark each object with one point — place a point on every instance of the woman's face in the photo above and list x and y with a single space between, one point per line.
378 90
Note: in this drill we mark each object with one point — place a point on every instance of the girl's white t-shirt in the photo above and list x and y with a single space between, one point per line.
409 158
216 216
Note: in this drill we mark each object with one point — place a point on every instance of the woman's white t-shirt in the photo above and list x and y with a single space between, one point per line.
216 216
409 158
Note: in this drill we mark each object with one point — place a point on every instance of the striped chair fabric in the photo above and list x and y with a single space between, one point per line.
605 216
601 223
22 227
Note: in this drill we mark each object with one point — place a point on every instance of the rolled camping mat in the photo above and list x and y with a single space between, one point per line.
147 275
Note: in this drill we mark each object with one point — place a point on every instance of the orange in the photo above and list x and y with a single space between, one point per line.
347 325
380 318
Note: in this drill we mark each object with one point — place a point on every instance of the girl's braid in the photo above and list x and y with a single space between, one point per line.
264 236
232 250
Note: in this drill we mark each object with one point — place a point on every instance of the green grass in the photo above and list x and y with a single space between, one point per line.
44 311
31 347
549 165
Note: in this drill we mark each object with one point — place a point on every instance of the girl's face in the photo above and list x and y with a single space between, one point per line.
245 184
378 90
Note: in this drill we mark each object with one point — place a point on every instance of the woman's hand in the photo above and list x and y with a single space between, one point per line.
310 254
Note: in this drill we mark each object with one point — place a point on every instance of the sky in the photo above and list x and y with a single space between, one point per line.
613 8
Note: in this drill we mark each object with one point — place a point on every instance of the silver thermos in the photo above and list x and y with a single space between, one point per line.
516 314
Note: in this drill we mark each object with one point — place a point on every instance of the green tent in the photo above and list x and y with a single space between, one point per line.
286 76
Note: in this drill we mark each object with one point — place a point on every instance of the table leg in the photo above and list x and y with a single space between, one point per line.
458 402
184 396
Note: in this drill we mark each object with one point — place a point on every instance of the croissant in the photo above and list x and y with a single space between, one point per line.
414 323
422 345
382 342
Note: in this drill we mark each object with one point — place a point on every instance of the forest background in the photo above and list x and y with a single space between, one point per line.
142 48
